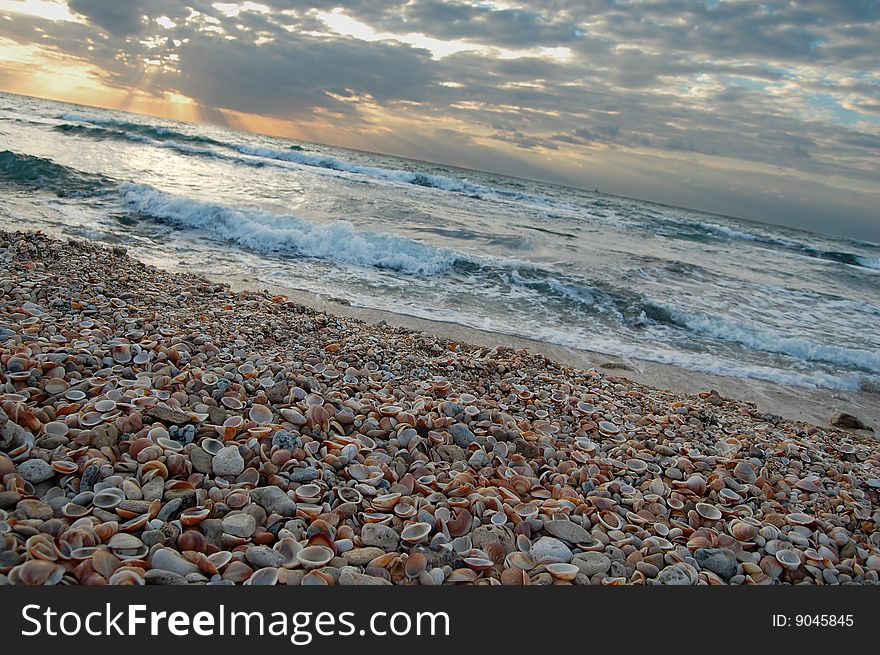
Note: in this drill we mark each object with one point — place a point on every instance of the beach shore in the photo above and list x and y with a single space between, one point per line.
810 405
159 427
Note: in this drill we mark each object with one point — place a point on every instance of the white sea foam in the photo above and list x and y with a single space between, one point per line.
285 234
764 340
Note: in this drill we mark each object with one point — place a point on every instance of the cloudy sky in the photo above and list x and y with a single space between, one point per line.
764 110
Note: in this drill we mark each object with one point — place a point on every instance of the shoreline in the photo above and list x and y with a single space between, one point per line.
815 406
158 427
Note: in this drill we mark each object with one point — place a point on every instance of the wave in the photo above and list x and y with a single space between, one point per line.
793 246
154 131
767 341
395 175
34 172
288 235
869 262
167 138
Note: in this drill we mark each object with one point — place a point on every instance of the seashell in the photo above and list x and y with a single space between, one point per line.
478 563
709 512
799 518
608 428
231 402
125 576
108 499
105 406
121 354
349 495
91 419
636 465
307 492
211 446
562 571
64 468
56 428
74 511
75 395
742 531
415 564
788 558
385 502
36 572
697 483
414 533
520 560
312 557
194 515
192 540
220 559
264 576
260 414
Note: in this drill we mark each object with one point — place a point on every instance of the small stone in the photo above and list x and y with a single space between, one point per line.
302 475
720 561
239 525
591 563
461 435
491 534
349 577
153 537
9 499
674 575
168 415
35 471
850 422
479 459
201 460
568 531
163 577
274 501
451 453
36 509
263 556
361 556
380 536
228 461
153 489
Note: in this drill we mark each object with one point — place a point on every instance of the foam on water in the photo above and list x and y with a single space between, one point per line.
286 234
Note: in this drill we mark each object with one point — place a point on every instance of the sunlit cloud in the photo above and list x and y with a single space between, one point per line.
620 95
344 25
41 9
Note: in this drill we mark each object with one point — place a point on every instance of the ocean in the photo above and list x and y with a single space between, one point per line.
557 264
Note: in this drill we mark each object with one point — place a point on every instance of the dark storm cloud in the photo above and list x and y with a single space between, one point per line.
792 85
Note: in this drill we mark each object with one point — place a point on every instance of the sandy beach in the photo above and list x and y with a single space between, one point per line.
162 428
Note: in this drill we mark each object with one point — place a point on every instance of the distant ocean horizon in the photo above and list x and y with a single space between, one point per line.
554 263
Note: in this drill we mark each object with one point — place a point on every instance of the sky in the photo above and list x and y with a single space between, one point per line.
762 110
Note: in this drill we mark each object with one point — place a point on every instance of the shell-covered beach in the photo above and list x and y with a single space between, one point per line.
160 428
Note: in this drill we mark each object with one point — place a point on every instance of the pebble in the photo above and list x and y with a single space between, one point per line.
35 471
474 440
380 536
240 525
567 531
591 563
718 560
228 461
274 501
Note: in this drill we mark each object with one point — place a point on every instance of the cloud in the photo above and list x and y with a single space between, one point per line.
789 88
